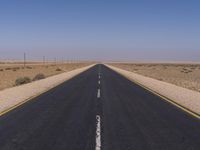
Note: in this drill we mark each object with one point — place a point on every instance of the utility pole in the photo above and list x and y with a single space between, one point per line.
24 60
43 60
55 61
62 60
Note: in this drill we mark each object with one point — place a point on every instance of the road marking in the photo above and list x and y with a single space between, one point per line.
98 93
99 77
99 82
98 133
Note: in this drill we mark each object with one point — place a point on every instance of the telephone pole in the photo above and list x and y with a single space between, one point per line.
24 60
44 60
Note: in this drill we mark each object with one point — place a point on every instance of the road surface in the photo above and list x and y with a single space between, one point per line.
98 110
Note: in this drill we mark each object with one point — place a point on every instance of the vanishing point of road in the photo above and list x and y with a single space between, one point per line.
98 110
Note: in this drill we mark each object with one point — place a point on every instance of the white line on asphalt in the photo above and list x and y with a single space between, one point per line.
98 133
98 93
99 77
99 82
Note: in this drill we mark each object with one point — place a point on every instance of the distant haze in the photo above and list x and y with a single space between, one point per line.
117 30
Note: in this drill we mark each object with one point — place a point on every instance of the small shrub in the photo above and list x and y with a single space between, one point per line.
8 68
58 69
16 68
22 80
39 77
190 71
28 67
1 69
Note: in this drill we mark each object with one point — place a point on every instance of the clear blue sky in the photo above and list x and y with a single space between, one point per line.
101 29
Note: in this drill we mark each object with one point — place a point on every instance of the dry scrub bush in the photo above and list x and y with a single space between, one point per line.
39 77
58 69
28 67
22 80
8 68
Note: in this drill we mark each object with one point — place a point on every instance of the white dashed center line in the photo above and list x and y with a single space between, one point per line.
98 133
98 93
98 121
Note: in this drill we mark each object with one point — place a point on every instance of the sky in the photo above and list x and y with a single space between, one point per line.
117 30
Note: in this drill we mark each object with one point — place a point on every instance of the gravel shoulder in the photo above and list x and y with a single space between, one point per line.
13 96
182 96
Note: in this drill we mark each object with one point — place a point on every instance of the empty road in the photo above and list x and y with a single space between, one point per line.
98 110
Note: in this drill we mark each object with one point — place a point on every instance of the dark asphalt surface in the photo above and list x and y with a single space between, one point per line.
131 118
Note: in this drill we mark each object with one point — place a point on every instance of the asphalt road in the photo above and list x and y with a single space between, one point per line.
98 109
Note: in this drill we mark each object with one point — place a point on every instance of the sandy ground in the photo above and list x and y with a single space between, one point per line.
10 72
184 75
187 98
16 95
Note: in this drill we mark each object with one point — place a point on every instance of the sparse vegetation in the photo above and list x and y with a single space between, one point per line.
186 70
22 80
8 68
39 77
58 69
16 68
28 67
